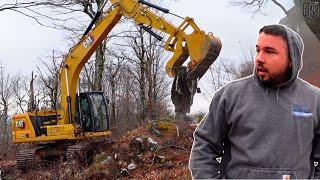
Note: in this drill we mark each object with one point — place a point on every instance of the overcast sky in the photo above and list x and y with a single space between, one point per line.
23 41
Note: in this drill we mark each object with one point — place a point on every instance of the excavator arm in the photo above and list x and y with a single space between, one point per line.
203 49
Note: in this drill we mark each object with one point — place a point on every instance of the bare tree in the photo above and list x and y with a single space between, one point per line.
19 93
87 76
6 93
49 76
224 71
221 72
113 70
156 78
28 92
140 59
136 45
36 10
31 103
147 69
127 108
257 5
246 67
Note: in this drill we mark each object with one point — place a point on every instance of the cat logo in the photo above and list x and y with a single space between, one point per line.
88 41
311 10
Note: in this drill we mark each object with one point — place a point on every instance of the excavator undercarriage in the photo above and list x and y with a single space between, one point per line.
77 152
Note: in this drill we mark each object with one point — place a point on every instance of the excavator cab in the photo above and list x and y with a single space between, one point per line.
93 114
91 120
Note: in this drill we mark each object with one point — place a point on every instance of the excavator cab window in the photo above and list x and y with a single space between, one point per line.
94 114
100 114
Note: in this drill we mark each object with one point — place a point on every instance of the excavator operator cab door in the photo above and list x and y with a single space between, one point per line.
94 115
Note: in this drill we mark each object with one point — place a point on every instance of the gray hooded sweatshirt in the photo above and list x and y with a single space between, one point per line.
261 132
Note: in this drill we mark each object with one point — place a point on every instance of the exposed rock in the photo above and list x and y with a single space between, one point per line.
132 166
124 172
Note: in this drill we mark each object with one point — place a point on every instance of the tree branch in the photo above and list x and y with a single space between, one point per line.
281 6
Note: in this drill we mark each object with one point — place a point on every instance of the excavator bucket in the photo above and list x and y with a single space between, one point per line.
202 48
202 54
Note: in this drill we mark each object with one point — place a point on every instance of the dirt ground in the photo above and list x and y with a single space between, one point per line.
158 151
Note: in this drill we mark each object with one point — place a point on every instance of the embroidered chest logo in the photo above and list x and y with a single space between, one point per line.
301 111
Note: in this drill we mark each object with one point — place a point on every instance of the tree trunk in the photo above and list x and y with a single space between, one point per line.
155 95
142 80
142 84
150 78
31 104
99 67
150 89
113 101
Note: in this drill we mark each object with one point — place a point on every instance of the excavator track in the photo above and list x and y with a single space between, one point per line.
203 66
26 159
45 154
80 153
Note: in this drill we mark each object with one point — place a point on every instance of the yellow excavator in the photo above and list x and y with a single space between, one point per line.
84 115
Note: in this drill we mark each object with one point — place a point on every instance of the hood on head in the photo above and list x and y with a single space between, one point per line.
295 50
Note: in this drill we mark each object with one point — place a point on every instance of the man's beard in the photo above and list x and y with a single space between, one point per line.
272 80
267 82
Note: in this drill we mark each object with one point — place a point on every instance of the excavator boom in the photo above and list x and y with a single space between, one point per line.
76 59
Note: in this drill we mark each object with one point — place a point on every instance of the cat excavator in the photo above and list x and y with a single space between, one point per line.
83 115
